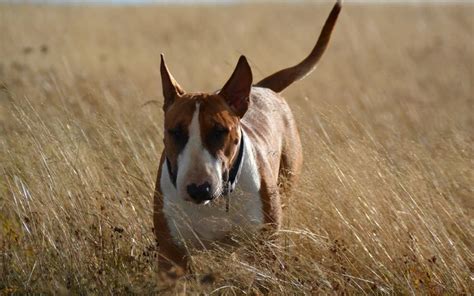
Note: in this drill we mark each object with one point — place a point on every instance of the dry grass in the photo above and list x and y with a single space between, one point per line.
385 204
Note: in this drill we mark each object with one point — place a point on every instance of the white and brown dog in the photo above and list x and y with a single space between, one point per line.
226 155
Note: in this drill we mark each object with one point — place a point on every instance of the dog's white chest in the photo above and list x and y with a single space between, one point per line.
200 225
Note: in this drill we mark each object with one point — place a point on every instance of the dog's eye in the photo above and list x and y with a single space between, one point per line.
219 132
177 134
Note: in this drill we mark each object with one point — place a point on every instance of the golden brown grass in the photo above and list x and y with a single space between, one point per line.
385 203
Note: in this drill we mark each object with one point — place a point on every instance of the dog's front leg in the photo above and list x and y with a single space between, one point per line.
169 254
270 195
271 202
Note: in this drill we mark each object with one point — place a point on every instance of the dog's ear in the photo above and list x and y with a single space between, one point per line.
171 88
236 91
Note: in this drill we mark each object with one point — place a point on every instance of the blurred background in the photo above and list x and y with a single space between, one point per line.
385 201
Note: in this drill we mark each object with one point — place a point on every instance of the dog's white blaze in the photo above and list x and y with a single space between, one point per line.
195 158
199 225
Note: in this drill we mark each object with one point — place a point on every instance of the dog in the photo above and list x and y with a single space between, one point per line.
226 155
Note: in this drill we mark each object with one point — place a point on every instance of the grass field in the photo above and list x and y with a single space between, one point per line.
385 203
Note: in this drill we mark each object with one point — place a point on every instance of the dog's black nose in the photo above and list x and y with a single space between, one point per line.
200 193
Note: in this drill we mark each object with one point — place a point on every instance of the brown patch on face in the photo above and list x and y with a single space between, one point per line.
219 128
176 134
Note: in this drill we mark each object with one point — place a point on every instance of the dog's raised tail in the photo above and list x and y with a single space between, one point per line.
282 79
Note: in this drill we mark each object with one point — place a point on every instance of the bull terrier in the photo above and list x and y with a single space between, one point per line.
226 155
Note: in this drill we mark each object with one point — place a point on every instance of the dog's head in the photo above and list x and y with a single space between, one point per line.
202 133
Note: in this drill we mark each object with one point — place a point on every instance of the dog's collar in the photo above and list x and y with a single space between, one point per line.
234 172
233 175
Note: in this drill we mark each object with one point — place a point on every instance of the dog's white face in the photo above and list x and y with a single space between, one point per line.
199 173
202 133
202 137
